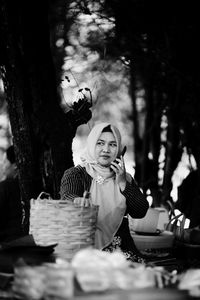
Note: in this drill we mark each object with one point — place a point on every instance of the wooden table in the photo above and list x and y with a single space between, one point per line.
138 294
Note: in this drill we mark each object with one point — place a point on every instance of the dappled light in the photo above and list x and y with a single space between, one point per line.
117 217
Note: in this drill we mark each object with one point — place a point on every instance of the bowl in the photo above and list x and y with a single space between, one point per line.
164 240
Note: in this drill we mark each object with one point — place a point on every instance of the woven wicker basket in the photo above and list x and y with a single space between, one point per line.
59 221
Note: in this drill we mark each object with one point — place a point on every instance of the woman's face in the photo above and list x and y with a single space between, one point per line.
106 149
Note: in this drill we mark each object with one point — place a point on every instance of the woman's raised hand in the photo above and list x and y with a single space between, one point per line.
119 168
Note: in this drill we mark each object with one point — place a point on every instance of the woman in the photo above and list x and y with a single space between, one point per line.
103 174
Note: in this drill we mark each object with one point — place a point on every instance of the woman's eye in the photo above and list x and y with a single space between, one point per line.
113 145
100 143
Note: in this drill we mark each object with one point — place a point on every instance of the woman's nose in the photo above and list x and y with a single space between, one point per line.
106 148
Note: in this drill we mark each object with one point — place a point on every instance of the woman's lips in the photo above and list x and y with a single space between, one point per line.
105 156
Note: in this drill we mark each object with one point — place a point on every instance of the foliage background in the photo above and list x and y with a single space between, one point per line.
140 60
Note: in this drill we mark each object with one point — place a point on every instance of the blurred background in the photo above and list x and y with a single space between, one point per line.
134 63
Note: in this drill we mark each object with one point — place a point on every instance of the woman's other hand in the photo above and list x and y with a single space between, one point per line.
81 201
119 168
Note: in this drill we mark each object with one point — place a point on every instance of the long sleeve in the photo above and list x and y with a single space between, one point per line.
74 182
136 202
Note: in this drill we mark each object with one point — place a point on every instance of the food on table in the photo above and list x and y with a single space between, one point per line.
29 282
190 280
94 271
97 270
44 282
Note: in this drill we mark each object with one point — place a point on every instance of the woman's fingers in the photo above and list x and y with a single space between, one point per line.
86 202
77 201
118 166
81 201
122 162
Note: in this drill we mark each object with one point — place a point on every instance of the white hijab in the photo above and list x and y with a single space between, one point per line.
104 190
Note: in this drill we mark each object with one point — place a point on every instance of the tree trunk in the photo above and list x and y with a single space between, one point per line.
39 126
